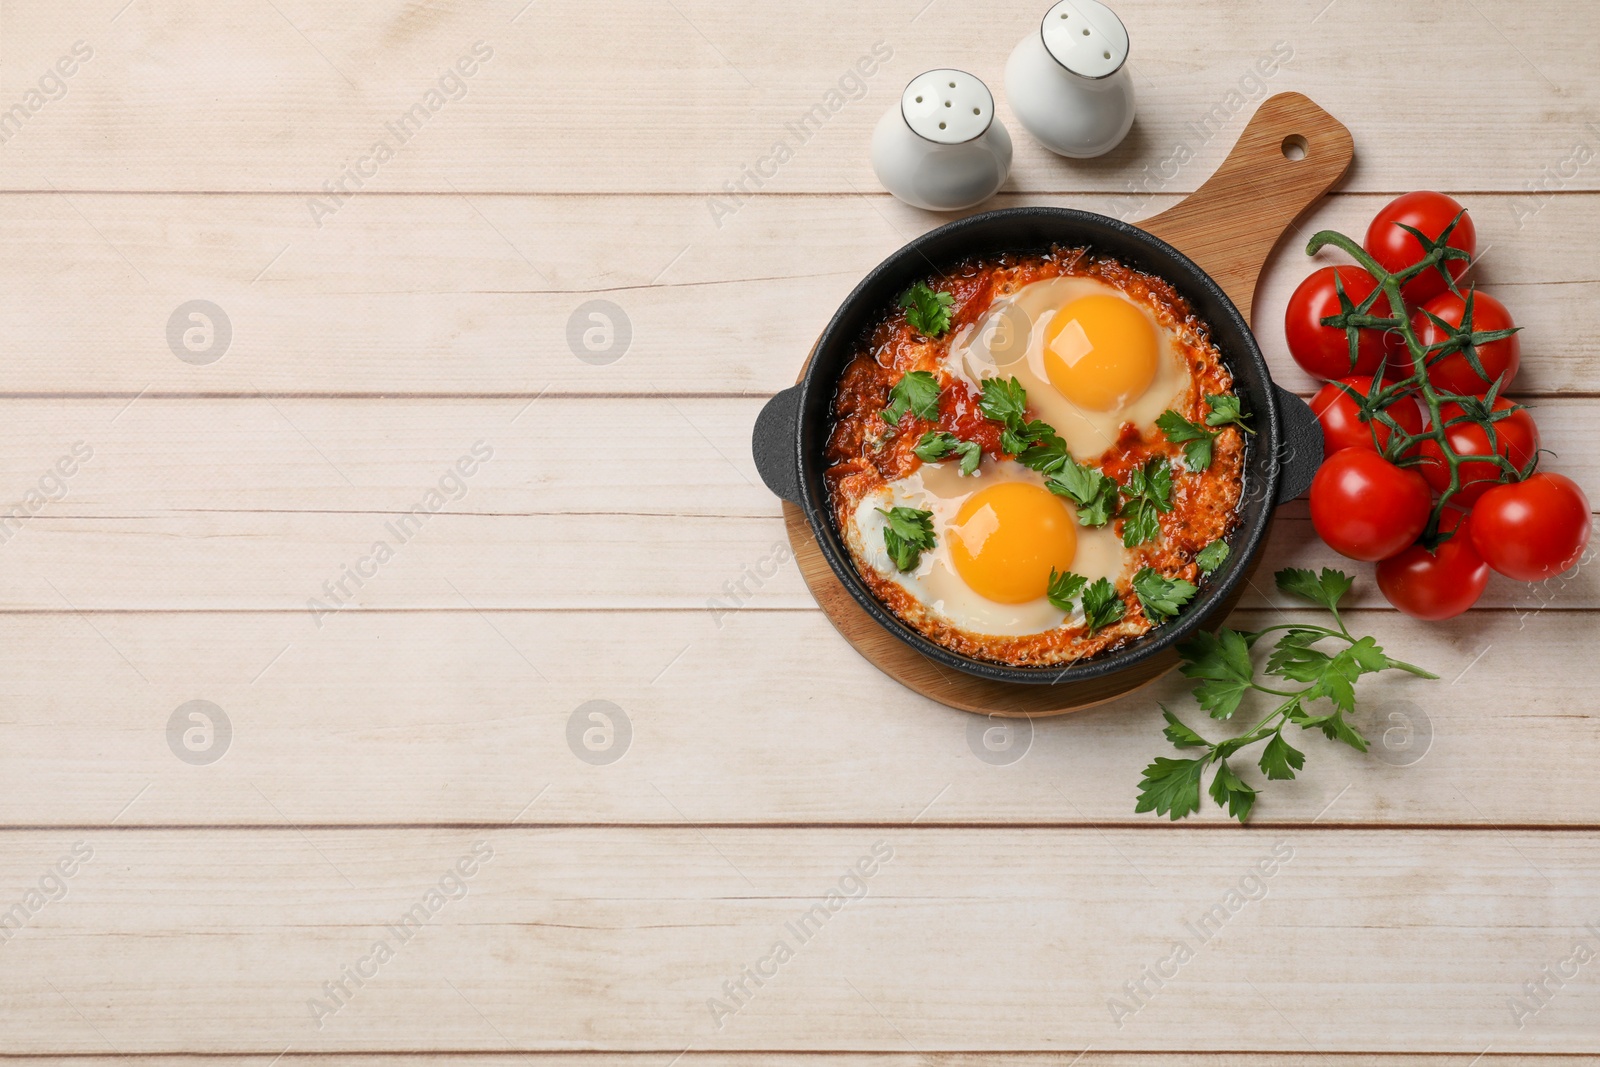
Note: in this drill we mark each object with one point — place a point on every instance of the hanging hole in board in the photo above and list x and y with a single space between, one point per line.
1295 148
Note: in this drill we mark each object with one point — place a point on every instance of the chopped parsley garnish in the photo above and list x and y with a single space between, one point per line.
907 534
1226 411
1064 588
917 392
1102 606
1004 401
1161 596
937 444
927 310
1212 556
1093 492
1146 496
1195 439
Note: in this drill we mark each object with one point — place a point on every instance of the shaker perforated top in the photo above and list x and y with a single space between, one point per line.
947 106
1086 37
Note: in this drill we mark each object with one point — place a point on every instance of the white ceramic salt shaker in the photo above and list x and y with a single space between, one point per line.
1069 85
941 147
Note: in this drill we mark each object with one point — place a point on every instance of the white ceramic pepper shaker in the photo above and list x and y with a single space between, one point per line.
941 147
1069 83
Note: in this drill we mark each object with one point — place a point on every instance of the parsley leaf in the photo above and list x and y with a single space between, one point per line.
1226 411
1196 439
1063 588
1162 597
1004 401
1179 734
1280 759
1093 492
927 310
918 392
907 534
936 445
1212 556
1148 494
1171 787
1102 606
1229 791
1326 589
1044 453
1222 663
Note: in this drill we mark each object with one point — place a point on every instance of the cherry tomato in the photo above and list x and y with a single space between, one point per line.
1342 426
1365 507
1440 584
1516 438
1324 351
1395 249
1534 529
1453 374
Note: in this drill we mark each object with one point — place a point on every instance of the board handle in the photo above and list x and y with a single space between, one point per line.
1291 152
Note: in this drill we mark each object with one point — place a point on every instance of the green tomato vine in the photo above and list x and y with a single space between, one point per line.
1401 447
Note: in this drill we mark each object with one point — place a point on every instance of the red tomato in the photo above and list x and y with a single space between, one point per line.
1453 374
1395 249
1516 438
1365 507
1342 426
1440 584
1534 529
1324 351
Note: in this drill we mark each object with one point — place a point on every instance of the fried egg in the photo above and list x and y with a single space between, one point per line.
997 536
1090 358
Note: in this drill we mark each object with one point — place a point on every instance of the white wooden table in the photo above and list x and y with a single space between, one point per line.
410 740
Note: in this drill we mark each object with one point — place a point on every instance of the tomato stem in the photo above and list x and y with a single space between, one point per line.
1400 445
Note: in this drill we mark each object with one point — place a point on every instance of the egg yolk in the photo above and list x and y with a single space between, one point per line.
1007 539
1100 352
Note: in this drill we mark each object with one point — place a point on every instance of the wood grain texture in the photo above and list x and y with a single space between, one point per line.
380 331
1230 225
430 295
765 717
682 97
256 503
616 939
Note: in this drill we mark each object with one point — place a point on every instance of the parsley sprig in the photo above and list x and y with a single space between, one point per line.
927 310
917 391
1094 492
1198 440
907 534
937 444
1101 604
1222 665
1147 496
1161 597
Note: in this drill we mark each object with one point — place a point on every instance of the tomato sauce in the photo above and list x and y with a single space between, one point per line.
864 453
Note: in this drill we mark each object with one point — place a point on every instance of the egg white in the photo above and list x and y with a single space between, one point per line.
1008 340
936 584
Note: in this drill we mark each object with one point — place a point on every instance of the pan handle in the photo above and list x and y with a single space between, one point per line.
1290 153
774 444
1300 452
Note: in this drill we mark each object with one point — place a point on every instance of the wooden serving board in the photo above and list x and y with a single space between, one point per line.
1290 154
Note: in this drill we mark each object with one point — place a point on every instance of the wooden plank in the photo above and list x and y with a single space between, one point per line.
683 97
405 294
582 503
753 717
830 1059
617 939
